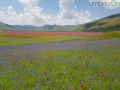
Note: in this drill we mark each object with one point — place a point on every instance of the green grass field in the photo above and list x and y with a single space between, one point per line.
18 40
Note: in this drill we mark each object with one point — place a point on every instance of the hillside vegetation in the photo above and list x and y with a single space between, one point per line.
107 24
4 27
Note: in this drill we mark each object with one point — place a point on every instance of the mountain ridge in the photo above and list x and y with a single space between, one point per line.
106 24
46 27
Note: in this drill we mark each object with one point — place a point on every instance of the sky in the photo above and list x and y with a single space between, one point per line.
60 12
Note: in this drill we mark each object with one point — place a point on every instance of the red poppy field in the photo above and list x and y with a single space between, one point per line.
29 37
49 34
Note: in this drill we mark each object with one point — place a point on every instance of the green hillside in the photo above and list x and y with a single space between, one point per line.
4 27
70 27
24 27
107 24
57 27
52 28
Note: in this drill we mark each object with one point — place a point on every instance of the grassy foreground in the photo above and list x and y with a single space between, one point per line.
90 65
18 40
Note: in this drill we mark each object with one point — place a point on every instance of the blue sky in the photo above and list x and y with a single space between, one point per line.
41 12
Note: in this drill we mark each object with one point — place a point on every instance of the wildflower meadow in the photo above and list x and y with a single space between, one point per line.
76 65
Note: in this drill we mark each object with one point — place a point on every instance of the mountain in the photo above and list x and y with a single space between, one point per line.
25 27
70 27
54 27
107 24
57 27
6 27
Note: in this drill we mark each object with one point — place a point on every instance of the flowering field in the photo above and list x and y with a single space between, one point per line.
29 37
90 65
49 34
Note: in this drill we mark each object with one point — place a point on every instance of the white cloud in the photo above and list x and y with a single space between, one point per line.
67 8
98 18
68 15
2 16
3 7
10 11
29 4
33 12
